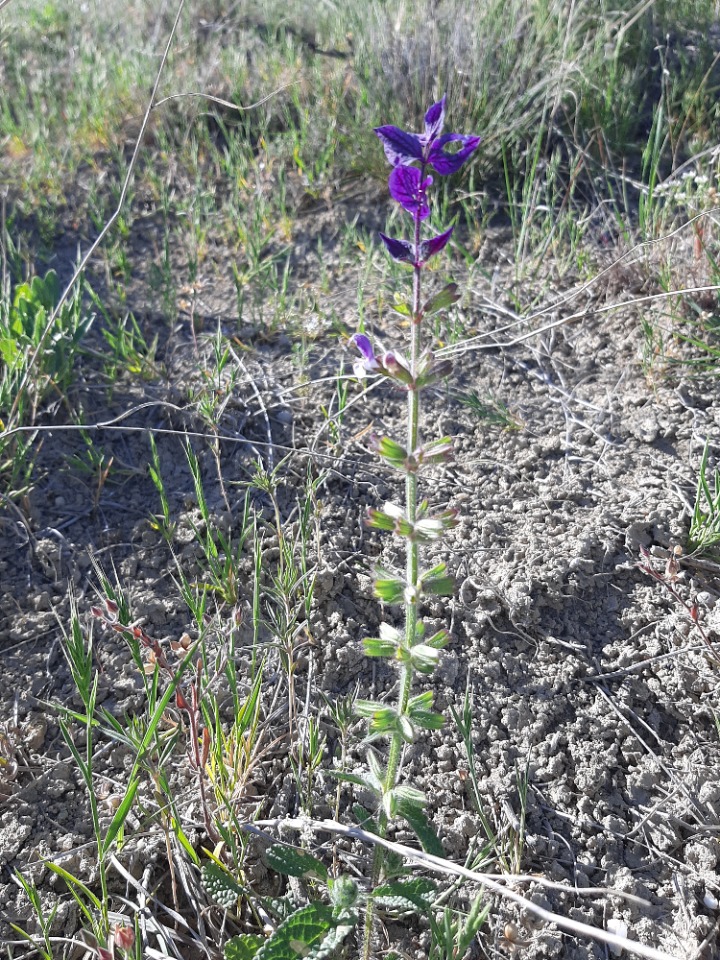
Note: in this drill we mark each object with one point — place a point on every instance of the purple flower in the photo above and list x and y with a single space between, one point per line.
368 363
391 364
402 148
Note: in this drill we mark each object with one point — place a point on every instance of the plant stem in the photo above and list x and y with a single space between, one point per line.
412 572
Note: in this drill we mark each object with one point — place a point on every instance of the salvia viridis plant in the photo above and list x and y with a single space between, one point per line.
318 928
414 158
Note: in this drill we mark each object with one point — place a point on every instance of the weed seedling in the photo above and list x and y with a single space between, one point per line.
704 535
160 522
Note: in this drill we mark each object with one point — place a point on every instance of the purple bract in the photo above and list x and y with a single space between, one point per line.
403 148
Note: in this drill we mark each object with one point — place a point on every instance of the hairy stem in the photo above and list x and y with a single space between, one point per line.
412 572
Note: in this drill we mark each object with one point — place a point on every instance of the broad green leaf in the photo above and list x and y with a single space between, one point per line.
223 888
386 722
295 863
389 588
410 795
428 719
377 771
406 729
335 937
297 935
364 818
421 701
367 708
416 892
244 947
343 893
439 640
445 298
404 309
420 712
437 581
415 817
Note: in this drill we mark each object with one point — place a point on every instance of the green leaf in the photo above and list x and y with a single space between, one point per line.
335 937
295 863
414 816
388 587
422 701
402 308
438 451
439 640
390 450
392 519
364 818
437 581
296 936
367 708
344 894
223 888
417 892
244 947
181 836
374 647
424 658
74 885
428 720
410 795
377 771
445 298
118 820
386 722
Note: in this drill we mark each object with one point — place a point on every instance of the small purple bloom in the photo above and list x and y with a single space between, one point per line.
369 362
403 148
391 364
409 189
398 249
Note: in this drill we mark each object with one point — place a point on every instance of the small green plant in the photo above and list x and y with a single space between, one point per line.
453 932
316 928
221 549
75 728
24 315
162 522
490 410
43 943
704 535
334 413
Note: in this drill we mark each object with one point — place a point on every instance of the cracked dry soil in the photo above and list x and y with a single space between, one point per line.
584 675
